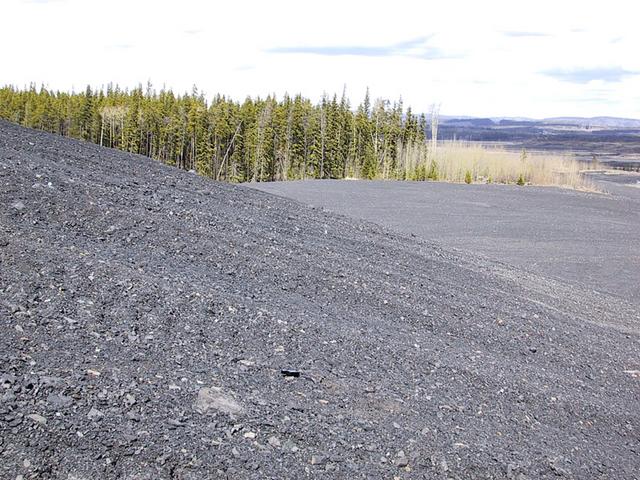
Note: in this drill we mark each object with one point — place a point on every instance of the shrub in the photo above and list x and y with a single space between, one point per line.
433 171
467 177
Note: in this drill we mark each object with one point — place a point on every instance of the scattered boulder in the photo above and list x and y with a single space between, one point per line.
401 460
274 442
58 401
290 446
7 380
213 399
94 414
37 418
129 400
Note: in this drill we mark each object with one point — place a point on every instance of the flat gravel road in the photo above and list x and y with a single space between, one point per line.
583 238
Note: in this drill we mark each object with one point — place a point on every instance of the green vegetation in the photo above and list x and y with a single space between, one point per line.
269 139
255 140
467 177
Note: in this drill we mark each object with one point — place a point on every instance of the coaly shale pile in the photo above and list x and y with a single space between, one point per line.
157 325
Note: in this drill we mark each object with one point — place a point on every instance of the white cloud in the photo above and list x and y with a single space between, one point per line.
476 58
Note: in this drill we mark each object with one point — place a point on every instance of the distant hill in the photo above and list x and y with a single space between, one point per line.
606 122
469 122
608 138
611 122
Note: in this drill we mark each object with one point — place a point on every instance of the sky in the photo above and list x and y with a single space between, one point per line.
478 58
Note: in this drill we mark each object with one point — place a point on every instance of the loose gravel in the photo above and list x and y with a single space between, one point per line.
158 325
582 238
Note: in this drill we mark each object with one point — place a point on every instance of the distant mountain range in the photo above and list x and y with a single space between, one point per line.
613 122
607 122
607 138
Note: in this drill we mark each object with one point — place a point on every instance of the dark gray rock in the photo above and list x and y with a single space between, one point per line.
173 366
59 401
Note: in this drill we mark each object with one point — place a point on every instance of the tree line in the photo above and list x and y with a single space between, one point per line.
253 140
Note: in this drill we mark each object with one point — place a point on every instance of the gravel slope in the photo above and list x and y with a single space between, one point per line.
585 238
147 315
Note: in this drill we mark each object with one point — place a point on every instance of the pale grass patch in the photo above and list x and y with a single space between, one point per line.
495 165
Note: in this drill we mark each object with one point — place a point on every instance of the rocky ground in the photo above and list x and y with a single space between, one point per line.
582 238
158 325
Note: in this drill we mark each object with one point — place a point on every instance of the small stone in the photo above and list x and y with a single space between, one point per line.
290 446
14 422
133 416
213 398
37 418
250 435
318 460
172 422
94 414
557 465
49 381
8 397
18 206
58 401
274 442
129 400
401 460
7 380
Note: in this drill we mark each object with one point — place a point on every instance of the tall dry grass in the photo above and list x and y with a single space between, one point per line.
455 161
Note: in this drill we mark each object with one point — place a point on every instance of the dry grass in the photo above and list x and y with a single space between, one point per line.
493 165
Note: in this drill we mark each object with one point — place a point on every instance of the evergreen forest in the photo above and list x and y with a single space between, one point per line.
255 140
